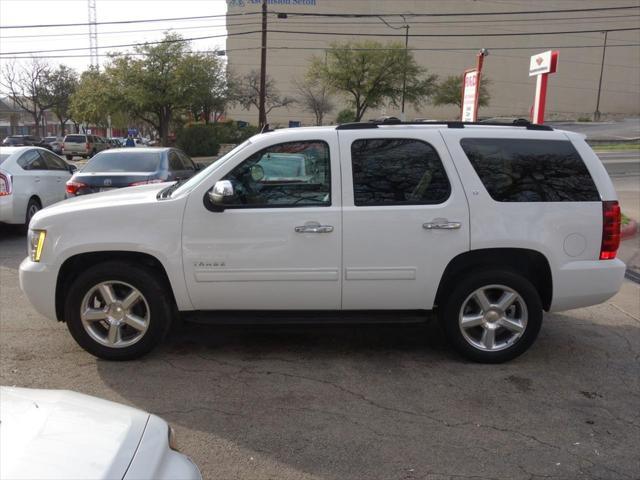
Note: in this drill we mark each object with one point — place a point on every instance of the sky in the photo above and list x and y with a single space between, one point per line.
37 12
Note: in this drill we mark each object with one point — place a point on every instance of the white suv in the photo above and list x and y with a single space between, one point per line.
485 225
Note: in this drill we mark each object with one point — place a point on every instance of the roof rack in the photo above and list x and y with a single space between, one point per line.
450 124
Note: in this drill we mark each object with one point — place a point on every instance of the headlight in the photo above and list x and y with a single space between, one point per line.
173 443
36 242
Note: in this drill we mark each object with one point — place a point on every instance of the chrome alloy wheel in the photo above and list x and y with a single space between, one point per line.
115 314
493 318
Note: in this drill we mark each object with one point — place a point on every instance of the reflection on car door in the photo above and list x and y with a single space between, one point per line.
279 246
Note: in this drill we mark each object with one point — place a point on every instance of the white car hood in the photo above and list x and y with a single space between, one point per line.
56 434
95 201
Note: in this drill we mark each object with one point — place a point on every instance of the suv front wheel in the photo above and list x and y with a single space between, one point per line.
117 311
493 316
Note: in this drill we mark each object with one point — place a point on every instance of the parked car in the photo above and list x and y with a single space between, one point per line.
81 145
484 226
31 178
55 434
54 144
114 142
130 167
24 140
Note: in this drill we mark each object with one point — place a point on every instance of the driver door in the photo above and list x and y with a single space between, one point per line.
264 250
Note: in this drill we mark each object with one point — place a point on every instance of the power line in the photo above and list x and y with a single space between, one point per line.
120 22
598 19
510 34
450 49
131 44
455 14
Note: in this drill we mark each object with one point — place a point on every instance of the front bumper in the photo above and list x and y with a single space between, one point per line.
38 282
584 283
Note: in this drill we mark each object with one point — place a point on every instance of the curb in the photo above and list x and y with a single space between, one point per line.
629 230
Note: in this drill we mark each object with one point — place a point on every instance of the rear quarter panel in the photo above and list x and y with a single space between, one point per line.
564 232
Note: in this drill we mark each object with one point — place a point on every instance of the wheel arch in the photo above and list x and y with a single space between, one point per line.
76 264
529 263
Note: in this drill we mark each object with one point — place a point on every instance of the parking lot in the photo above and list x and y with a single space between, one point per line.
359 402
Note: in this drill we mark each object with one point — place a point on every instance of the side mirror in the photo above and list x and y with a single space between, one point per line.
72 168
223 189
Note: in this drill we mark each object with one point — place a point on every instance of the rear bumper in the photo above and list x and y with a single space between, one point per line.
7 211
38 282
584 283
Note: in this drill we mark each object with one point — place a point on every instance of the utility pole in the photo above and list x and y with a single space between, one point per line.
262 114
404 73
596 114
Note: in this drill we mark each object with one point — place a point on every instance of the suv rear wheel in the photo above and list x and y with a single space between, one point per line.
492 317
117 311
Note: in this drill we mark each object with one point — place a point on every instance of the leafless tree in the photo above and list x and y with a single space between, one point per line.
27 87
313 95
248 93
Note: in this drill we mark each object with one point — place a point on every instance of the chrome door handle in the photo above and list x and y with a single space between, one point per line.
441 225
313 227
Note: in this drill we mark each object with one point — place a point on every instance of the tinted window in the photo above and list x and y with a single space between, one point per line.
397 171
125 161
54 162
31 160
186 161
174 161
294 174
75 138
517 170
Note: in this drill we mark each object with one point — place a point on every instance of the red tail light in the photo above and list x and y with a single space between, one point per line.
145 182
611 221
5 184
72 187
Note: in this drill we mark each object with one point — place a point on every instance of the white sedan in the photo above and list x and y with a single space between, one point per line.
57 434
31 178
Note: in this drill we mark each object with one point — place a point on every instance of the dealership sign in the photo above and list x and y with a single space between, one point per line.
542 65
470 91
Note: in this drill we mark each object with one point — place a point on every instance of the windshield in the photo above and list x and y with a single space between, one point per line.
123 162
195 180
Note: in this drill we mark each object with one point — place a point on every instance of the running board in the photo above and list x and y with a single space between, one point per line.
284 317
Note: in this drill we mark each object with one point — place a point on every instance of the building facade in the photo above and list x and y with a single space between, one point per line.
573 90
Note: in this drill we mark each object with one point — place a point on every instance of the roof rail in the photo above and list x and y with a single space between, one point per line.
450 124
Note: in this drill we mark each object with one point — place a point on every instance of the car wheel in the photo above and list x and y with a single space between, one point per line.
69 157
118 311
32 208
492 317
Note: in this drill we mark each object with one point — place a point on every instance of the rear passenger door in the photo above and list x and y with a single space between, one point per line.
405 216
37 178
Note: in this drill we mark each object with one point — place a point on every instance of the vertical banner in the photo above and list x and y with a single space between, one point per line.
470 91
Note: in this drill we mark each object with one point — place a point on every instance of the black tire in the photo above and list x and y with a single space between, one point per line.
146 282
69 157
33 207
470 283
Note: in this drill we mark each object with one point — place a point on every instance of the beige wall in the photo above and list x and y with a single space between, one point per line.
572 90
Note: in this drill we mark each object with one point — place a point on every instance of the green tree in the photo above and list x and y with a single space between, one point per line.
449 92
61 85
371 75
94 98
346 116
206 88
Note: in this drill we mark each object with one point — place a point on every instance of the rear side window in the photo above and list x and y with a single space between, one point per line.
397 171
75 138
520 170
174 161
32 160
